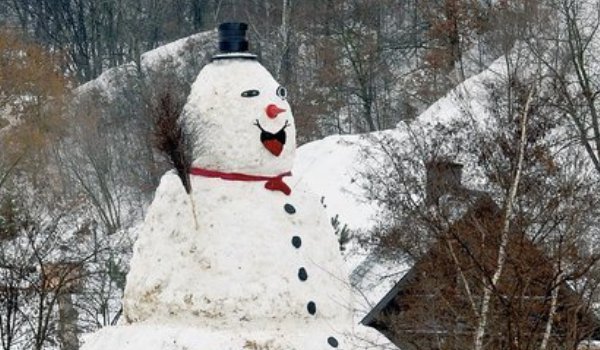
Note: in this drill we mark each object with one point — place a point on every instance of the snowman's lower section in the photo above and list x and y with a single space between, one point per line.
233 255
154 337
233 266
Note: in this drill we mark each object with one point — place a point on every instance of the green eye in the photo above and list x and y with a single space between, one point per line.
250 93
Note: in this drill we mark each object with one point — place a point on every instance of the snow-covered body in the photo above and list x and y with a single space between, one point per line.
239 267
235 264
235 276
167 337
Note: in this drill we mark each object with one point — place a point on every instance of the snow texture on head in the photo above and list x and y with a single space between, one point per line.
223 123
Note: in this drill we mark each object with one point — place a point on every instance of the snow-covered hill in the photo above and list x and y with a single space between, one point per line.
185 54
335 167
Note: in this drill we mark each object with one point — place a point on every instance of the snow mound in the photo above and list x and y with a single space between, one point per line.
181 55
334 167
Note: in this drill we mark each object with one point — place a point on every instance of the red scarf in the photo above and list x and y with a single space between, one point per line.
273 183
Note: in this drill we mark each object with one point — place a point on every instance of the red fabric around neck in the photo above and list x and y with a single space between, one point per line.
273 183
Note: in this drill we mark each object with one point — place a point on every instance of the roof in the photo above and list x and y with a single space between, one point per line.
370 318
433 271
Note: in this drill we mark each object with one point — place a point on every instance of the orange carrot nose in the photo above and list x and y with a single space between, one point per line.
273 111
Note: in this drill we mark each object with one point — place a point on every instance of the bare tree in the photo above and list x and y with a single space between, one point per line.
508 212
493 277
41 269
566 47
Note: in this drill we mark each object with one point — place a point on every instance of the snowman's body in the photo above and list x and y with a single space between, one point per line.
239 270
235 265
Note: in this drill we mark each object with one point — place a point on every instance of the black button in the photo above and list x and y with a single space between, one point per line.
289 209
311 307
333 342
296 241
302 275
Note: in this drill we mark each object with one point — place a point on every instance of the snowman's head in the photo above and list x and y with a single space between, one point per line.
239 119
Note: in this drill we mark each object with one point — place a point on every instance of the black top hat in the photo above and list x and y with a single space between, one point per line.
232 37
233 42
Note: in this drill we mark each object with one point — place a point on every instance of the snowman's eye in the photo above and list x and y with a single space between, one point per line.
282 92
250 93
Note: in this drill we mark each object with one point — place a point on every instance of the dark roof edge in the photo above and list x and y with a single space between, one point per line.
370 318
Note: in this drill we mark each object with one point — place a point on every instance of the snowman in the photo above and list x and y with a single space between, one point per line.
247 259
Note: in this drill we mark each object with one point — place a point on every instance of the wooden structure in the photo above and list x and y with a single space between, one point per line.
434 306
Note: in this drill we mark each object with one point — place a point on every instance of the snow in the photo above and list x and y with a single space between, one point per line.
334 167
235 264
178 50
216 269
186 338
226 122
179 54
107 81
331 168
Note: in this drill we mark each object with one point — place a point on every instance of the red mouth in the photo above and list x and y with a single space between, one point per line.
274 146
273 142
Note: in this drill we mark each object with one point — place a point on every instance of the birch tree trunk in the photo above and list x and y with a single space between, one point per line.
551 312
501 260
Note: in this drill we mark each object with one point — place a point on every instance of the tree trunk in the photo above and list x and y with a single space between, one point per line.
551 314
67 323
487 291
197 14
